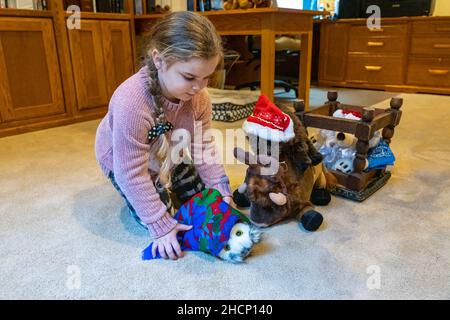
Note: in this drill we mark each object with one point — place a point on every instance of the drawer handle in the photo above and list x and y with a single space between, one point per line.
376 29
375 44
438 72
441 46
373 68
442 29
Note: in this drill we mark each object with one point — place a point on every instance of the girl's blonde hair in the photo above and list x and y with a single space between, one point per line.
178 37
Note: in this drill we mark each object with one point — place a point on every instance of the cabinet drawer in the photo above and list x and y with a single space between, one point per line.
394 30
377 45
377 70
437 46
431 27
429 72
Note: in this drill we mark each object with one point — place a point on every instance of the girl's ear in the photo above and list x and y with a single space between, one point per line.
156 58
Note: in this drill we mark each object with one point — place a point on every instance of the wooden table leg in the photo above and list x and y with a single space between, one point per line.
304 80
267 58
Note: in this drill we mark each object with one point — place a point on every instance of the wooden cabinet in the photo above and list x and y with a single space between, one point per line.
376 56
333 46
102 59
405 54
429 62
88 65
50 75
117 53
30 83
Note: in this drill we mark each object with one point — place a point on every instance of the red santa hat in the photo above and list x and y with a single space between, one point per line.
268 122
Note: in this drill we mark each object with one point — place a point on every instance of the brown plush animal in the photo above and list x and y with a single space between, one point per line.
160 9
285 194
246 4
300 181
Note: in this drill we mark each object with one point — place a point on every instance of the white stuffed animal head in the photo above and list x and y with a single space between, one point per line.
242 238
345 140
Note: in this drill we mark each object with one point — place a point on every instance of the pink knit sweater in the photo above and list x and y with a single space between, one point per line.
122 146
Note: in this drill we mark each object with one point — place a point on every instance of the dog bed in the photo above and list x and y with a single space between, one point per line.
232 105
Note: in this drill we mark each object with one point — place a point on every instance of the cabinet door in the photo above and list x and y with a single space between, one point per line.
117 53
333 52
88 65
30 82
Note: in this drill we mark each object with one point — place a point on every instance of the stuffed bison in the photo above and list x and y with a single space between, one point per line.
299 181
287 193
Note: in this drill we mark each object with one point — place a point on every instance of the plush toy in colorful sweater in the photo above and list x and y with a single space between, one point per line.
217 228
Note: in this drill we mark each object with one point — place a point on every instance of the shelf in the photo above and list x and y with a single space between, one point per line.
226 12
149 16
127 16
13 12
103 15
261 10
50 13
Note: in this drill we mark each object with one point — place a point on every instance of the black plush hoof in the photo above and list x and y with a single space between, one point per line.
320 197
302 166
240 199
316 158
311 220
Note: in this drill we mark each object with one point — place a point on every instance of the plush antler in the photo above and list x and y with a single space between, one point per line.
265 160
242 188
244 156
269 164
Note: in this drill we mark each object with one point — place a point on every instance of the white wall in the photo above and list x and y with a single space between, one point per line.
441 8
290 4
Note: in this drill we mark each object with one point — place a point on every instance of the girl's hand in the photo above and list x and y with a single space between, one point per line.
167 245
227 199
230 201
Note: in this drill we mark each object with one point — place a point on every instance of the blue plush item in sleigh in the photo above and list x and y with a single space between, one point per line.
380 156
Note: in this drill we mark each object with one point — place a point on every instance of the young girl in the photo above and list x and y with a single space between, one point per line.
133 140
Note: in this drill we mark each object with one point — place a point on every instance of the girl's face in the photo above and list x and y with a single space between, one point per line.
182 80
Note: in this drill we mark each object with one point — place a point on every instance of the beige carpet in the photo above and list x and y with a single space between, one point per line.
65 233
